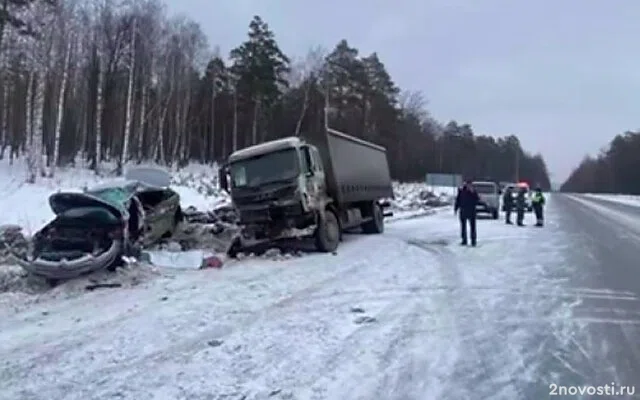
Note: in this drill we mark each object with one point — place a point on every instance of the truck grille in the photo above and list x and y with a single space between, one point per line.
269 214
265 196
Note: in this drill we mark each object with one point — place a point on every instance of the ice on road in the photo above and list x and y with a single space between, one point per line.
404 315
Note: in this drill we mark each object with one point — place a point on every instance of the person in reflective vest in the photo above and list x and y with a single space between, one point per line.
537 202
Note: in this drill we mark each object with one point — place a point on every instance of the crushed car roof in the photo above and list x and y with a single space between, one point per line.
113 194
63 201
149 176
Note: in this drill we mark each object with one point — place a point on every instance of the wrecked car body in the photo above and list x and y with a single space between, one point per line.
95 228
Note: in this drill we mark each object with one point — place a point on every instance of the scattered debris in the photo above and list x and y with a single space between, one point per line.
215 343
12 241
189 259
365 320
173 247
211 262
95 286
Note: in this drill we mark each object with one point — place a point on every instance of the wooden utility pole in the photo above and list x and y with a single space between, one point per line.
517 166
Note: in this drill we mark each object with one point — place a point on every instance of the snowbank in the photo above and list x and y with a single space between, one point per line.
27 204
628 199
417 199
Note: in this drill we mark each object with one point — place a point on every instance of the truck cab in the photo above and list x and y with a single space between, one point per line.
281 180
292 188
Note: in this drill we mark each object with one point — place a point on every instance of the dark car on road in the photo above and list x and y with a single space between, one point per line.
515 188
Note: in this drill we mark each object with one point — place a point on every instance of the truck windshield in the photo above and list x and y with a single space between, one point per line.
266 168
485 188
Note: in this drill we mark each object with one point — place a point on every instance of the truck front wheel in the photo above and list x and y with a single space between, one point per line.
328 232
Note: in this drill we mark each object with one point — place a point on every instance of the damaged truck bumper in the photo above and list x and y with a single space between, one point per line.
272 223
248 239
67 269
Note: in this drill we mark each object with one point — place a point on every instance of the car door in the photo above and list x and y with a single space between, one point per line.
159 217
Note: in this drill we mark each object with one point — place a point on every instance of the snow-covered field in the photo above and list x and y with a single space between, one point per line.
618 198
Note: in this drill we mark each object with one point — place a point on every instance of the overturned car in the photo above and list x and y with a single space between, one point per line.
95 228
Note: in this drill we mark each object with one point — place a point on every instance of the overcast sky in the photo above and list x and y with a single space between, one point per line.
563 75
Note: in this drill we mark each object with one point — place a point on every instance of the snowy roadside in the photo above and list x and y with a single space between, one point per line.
406 314
627 199
244 318
197 187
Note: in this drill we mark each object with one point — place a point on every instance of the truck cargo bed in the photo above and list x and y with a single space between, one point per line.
356 170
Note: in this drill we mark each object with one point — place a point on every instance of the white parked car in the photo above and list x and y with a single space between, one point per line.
489 193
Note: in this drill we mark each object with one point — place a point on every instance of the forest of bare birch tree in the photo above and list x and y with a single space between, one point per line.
95 81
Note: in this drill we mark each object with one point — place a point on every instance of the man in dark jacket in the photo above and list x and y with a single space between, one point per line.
466 202
507 203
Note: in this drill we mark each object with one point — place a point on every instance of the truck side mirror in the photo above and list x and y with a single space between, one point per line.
222 178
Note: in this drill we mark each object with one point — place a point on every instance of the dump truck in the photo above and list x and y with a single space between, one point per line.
316 186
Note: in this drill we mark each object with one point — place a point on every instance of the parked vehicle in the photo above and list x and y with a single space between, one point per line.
489 193
515 188
94 228
316 187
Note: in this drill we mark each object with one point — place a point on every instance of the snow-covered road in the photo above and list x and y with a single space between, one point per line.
404 315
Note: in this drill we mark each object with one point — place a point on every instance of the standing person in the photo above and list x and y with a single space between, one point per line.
538 202
521 205
466 202
507 202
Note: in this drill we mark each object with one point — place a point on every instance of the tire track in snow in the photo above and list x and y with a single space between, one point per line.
145 306
474 369
54 351
79 348
280 366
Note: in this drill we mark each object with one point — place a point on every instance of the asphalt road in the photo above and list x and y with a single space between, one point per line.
604 254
